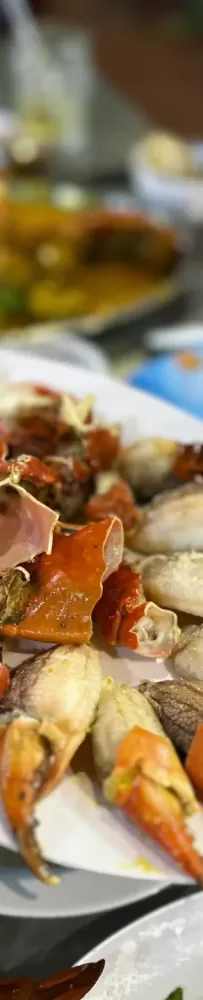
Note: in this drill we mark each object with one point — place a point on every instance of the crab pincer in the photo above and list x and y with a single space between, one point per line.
140 772
149 783
56 695
26 758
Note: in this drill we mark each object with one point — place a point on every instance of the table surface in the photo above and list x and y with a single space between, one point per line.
45 947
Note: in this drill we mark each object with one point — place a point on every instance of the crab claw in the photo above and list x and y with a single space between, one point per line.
149 783
30 765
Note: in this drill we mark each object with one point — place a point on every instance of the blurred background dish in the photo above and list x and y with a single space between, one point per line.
57 343
66 148
88 264
167 174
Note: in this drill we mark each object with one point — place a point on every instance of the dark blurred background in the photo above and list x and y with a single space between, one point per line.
84 86
152 50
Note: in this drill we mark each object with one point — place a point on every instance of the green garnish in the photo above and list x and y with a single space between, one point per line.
176 995
11 300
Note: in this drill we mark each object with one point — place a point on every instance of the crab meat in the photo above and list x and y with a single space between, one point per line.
172 522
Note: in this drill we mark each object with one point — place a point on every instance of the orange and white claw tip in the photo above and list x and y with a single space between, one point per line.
149 783
23 765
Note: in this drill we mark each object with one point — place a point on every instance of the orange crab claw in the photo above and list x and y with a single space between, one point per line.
159 813
194 761
149 783
33 758
4 679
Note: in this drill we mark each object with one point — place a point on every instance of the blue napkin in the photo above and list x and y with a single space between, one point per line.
176 378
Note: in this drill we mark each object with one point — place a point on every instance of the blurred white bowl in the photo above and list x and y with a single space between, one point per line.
181 196
49 341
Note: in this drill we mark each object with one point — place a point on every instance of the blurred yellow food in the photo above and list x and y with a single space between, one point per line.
47 300
56 264
168 155
56 256
32 223
16 270
110 286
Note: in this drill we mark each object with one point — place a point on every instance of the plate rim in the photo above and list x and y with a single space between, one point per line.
145 890
10 355
145 919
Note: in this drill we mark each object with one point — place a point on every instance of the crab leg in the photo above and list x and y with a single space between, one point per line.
33 758
25 761
56 695
149 783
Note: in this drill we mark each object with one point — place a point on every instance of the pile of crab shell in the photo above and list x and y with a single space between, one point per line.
101 546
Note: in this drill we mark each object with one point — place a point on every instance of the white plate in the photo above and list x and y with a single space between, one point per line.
141 414
153 956
53 341
79 892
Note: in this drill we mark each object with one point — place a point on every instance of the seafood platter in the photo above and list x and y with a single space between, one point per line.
101 625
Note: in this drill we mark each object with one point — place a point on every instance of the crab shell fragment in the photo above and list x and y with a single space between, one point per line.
179 706
26 525
126 618
67 584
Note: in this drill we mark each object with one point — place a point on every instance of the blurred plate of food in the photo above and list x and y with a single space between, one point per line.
90 266
167 172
